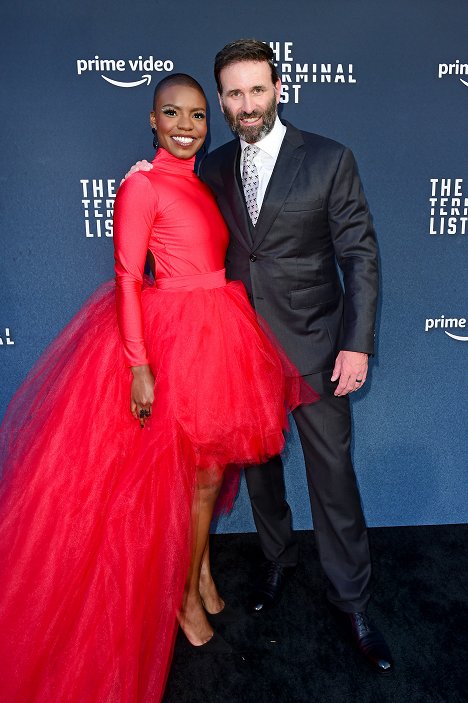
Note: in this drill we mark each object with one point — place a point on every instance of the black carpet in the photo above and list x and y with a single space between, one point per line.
293 655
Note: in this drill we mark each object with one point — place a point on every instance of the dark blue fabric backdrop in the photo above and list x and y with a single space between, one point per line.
390 79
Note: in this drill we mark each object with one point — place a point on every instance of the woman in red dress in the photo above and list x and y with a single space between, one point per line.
105 513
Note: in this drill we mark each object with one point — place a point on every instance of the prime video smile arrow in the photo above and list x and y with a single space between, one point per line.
456 336
146 78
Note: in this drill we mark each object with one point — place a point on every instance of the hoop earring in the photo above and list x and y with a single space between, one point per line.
155 138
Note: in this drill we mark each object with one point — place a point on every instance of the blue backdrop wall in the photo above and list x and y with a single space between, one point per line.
389 79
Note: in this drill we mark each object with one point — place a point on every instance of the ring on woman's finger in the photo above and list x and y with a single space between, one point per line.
147 413
143 413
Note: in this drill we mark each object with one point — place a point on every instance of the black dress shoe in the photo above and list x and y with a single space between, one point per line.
269 587
367 639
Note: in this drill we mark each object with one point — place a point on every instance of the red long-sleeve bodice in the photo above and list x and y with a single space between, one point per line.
170 212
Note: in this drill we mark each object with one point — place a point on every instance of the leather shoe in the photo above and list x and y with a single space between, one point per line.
367 639
269 587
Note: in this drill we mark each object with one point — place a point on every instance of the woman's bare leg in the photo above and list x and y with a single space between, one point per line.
192 616
212 601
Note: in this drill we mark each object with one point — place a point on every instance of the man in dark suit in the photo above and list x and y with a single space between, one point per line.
295 208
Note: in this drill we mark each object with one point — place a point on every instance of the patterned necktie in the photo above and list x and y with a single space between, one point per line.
250 181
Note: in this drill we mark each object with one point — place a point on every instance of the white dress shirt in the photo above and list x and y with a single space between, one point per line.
265 160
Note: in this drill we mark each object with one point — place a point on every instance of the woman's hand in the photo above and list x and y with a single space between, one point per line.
142 393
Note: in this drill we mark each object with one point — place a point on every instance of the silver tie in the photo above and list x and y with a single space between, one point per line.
250 181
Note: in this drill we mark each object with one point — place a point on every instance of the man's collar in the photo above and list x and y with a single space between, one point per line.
271 143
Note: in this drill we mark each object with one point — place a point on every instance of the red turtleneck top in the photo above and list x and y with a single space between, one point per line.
170 212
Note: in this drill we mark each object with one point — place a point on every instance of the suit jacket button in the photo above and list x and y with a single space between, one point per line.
252 258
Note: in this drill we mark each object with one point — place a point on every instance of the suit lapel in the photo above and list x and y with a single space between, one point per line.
286 168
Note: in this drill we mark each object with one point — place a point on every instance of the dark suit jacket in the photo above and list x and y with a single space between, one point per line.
314 215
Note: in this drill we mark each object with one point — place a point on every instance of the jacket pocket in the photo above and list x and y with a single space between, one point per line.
315 295
302 205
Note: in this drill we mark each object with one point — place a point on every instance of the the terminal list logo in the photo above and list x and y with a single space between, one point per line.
97 198
454 69
6 339
455 324
140 68
294 73
448 207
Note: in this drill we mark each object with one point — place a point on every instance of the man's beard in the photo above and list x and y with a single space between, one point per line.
256 132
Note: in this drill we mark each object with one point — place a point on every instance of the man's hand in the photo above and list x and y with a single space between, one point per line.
139 166
351 370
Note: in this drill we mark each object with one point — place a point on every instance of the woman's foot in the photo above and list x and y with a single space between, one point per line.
211 600
215 646
194 623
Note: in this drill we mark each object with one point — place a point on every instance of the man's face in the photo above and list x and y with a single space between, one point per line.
249 99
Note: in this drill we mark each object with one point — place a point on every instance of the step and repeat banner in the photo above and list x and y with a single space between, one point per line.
389 79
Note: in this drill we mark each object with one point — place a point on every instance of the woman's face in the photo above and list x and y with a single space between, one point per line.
180 120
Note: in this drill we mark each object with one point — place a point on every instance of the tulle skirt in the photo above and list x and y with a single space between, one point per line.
95 512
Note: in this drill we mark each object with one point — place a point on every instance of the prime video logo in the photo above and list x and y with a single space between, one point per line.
444 323
454 69
98 65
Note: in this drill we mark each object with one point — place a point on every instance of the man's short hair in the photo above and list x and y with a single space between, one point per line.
244 50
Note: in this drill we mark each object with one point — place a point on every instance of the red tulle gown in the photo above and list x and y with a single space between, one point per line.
95 512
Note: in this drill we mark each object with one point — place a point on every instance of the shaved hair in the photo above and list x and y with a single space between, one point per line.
177 79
